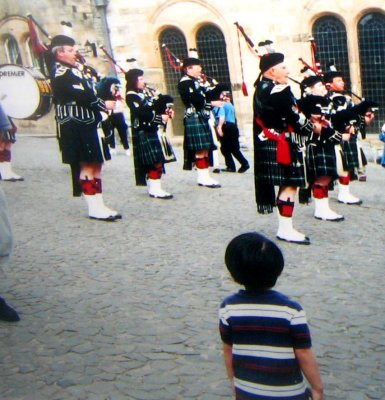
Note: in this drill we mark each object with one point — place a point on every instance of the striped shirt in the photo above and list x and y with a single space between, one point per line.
263 329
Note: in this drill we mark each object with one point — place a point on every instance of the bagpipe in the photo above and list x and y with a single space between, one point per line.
163 103
263 48
342 119
89 71
352 115
111 59
315 69
213 89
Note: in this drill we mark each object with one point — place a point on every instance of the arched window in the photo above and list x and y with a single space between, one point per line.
176 43
330 37
212 52
34 61
12 50
371 39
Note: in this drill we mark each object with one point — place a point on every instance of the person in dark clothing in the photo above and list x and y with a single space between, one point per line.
228 134
198 137
151 147
78 114
280 134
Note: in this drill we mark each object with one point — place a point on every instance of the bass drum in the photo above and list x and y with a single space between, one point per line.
25 93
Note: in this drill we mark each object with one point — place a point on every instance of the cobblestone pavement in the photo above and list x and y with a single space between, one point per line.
128 310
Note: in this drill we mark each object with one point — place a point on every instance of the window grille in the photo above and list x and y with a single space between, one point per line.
330 37
212 52
371 39
176 43
12 50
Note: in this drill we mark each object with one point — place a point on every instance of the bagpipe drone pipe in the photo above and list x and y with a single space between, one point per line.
341 120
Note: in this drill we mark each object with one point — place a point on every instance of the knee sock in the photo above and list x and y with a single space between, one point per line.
202 163
319 191
88 187
344 180
285 208
97 182
5 156
155 173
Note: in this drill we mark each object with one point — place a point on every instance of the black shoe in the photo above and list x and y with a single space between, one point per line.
216 171
107 219
228 170
243 168
7 313
166 197
211 186
306 240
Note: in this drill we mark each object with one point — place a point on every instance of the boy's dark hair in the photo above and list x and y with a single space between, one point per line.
254 261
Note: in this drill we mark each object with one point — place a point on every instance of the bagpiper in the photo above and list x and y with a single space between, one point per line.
78 114
150 113
353 157
198 99
321 165
280 133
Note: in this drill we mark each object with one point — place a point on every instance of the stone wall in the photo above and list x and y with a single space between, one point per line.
131 30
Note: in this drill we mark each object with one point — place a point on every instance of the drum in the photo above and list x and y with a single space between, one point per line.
25 93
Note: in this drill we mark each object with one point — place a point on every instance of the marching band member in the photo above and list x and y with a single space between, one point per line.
7 138
151 147
280 132
78 113
335 84
198 137
320 147
108 88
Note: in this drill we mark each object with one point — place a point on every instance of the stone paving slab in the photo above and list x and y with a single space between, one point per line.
128 310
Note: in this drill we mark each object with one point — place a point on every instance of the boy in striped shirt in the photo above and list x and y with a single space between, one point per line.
266 339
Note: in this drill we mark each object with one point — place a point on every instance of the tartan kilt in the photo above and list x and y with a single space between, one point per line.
350 151
149 149
80 142
272 173
320 161
197 134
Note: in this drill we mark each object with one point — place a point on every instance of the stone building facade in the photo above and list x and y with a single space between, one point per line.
349 34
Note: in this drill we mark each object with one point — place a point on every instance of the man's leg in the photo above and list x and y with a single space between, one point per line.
155 190
321 199
285 205
92 192
202 164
